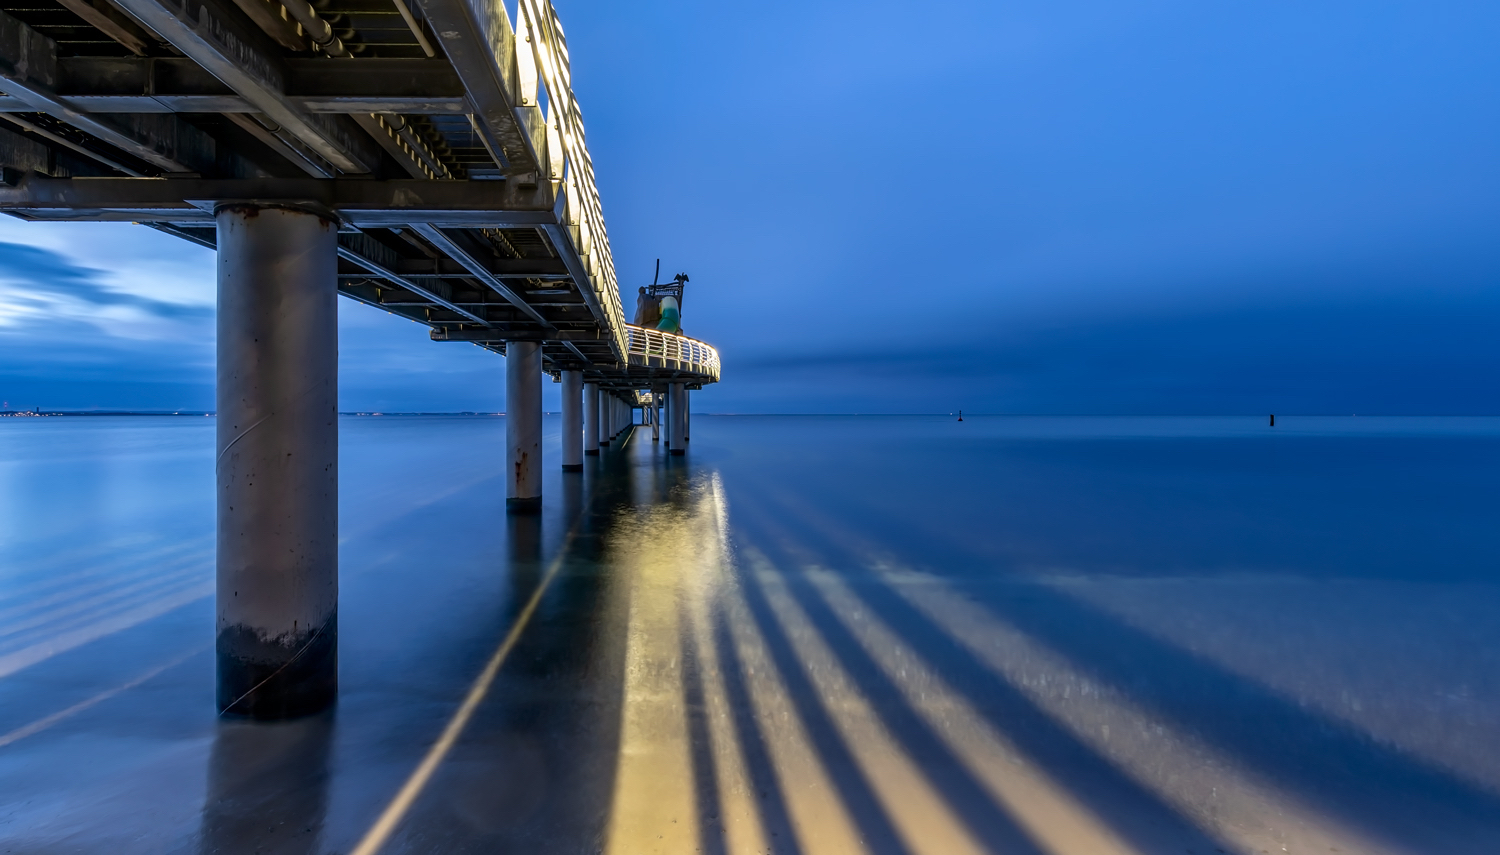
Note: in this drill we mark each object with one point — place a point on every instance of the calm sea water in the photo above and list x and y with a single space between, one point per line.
811 634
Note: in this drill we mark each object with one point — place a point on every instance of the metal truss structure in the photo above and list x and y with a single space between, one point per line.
441 135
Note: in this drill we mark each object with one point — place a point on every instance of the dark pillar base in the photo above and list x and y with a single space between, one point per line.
281 678
531 505
594 452
678 452
572 467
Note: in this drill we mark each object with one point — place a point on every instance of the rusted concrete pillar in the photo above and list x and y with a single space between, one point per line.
277 462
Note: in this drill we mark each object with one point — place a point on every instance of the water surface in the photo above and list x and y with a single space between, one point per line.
811 634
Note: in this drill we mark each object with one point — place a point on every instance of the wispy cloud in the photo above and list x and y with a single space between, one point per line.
42 290
84 323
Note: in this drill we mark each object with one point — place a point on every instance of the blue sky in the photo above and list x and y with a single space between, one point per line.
1157 207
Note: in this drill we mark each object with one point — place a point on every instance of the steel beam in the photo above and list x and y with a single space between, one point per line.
28 73
103 16
169 103
178 84
351 255
448 244
211 37
270 134
362 202
497 336
562 240
480 42
505 268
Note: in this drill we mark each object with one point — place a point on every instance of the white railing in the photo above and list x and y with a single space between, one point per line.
691 355
545 70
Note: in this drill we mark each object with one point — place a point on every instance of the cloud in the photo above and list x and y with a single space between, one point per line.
1417 354
42 290
72 338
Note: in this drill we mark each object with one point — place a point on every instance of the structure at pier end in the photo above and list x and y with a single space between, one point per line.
424 157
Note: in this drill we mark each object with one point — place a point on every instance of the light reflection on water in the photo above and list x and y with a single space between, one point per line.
810 635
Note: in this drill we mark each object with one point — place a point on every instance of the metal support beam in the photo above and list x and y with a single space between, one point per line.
28 73
395 136
103 16
171 84
505 268
480 42
210 37
561 239
443 241
277 463
378 270
362 202
494 336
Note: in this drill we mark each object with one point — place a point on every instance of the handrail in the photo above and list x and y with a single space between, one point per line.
565 155
692 355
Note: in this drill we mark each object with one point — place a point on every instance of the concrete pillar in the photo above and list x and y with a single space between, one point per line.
655 416
572 421
523 426
679 418
604 431
687 414
666 416
591 418
277 458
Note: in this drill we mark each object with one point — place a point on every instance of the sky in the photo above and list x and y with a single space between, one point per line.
1025 207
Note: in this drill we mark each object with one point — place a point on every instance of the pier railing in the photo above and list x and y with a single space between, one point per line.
554 130
656 347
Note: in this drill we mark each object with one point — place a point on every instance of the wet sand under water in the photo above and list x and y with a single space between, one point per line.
809 635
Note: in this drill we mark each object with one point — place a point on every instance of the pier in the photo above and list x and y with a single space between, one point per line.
235 620
427 160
